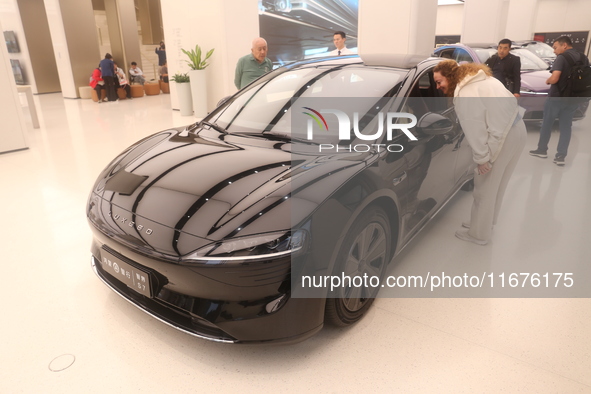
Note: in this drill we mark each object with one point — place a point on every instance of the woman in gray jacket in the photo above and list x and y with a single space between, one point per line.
493 126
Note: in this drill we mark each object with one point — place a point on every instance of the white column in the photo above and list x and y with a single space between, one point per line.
484 21
393 28
521 18
12 132
229 26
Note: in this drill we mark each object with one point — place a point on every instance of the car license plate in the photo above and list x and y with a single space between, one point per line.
137 279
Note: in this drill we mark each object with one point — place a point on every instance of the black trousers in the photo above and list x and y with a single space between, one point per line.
98 89
127 90
110 86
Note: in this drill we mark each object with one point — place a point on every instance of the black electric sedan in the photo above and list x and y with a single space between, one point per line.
216 228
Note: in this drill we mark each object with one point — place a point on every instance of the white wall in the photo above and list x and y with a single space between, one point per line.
563 15
229 26
548 16
414 29
449 20
484 21
11 20
560 15
12 132
521 19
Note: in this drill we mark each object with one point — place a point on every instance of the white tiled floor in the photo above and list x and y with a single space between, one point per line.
52 304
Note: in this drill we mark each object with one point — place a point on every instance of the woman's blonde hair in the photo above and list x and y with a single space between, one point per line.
454 73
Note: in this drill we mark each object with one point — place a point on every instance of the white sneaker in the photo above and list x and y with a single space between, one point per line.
467 225
464 236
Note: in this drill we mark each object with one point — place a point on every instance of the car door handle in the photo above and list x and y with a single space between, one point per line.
396 181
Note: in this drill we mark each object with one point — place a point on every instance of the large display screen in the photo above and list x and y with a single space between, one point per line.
304 29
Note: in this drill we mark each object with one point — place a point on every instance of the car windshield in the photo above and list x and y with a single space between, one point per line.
529 61
484 53
541 49
265 106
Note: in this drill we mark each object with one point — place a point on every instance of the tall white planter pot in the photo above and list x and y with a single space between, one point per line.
185 99
199 92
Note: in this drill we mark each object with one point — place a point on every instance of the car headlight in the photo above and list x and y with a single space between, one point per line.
261 246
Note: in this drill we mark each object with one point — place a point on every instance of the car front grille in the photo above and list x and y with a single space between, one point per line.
173 315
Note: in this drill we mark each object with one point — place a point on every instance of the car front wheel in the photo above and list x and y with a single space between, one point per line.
365 252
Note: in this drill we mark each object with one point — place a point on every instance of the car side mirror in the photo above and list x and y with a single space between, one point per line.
434 124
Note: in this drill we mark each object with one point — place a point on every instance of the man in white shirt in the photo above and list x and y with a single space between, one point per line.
122 80
136 74
339 39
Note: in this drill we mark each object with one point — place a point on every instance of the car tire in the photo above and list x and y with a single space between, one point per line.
348 304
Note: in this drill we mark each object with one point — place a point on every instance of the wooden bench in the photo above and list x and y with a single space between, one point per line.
137 91
95 97
121 93
85 92
165 87
152 88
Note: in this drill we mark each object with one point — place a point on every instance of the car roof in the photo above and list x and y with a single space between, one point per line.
403 61
482 45
527 42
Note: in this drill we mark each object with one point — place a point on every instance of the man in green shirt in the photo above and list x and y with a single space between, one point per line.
253 65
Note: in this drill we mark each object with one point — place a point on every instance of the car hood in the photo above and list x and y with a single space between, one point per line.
536 80
188 191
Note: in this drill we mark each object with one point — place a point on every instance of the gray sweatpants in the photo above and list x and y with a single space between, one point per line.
489 189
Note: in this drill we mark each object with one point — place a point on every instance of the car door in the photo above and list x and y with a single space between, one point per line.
432 158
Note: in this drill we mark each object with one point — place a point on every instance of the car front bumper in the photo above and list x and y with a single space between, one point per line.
244 315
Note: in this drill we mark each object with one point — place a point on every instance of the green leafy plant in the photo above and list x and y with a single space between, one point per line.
195 61
180 78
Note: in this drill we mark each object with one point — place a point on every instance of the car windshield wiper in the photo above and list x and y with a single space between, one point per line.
286 137
213 126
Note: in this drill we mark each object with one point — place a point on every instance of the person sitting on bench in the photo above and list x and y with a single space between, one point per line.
164 72
97 83
122 81
136 74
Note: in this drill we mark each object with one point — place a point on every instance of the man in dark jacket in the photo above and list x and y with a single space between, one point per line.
559 104
108 71
506 67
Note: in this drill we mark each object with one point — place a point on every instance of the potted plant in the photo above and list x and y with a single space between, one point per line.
197 62
183 86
